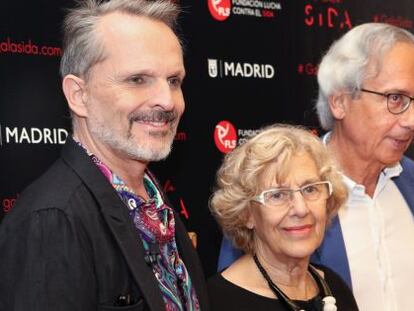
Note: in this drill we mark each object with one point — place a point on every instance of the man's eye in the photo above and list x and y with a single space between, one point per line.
175 81
395 98
137 79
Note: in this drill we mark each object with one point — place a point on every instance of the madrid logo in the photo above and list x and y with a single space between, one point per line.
225 136
219 9
212 68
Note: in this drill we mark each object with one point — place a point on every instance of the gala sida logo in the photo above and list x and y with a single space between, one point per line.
219 9
225 136
331 15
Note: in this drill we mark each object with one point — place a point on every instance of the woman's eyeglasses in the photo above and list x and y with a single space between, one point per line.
277 197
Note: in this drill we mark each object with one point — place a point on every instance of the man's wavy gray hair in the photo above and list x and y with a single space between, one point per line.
344 68
81 45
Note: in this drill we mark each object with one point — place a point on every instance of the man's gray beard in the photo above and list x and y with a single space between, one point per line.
127 146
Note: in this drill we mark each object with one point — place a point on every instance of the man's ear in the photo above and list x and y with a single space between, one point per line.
337 104
74 89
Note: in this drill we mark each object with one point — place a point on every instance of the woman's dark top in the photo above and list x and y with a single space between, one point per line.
225 296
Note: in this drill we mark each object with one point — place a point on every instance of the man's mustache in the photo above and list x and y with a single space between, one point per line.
154 116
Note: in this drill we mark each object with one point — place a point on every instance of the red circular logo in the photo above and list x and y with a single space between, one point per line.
219 9
225 136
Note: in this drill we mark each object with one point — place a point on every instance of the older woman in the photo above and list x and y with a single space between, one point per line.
276 194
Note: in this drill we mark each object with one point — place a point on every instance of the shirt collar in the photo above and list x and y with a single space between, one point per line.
117 182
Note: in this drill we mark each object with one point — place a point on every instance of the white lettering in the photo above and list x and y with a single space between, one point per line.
54 136
249 3
62 135
24 135
228 67
247 70
247 133
272 5
46 136
239 70
257 70
269 71
12 133
35 135
243 11
33 132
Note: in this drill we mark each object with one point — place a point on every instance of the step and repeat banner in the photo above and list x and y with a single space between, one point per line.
249 63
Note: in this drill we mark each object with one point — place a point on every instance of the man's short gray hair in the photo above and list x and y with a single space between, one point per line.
344 68
81 47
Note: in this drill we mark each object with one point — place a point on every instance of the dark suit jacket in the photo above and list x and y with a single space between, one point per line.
69 244
332 251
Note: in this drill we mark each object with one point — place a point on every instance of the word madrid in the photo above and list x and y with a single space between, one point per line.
35 135
235 69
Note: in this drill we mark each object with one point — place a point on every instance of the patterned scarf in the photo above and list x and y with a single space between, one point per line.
155 224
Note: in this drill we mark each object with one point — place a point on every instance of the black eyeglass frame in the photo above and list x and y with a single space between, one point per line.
387 96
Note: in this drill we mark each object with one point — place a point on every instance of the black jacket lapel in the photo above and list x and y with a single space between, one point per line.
116 215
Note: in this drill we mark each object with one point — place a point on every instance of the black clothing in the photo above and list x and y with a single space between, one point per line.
225 296
69 244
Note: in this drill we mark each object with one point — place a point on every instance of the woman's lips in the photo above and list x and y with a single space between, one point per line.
298 230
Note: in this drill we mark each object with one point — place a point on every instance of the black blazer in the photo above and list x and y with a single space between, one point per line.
69 244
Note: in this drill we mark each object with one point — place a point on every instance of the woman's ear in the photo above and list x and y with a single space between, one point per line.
249 221
74 89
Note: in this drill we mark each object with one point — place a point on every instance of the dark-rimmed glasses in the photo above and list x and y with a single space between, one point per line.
396 103
278 197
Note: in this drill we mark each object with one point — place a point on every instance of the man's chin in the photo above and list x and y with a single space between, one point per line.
392 159
150 156
150 152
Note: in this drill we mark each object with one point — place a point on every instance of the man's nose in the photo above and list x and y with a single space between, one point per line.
162 95
407 117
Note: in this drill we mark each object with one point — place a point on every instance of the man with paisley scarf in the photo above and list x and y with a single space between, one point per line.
96 232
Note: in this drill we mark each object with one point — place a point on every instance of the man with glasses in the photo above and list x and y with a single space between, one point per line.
366 88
